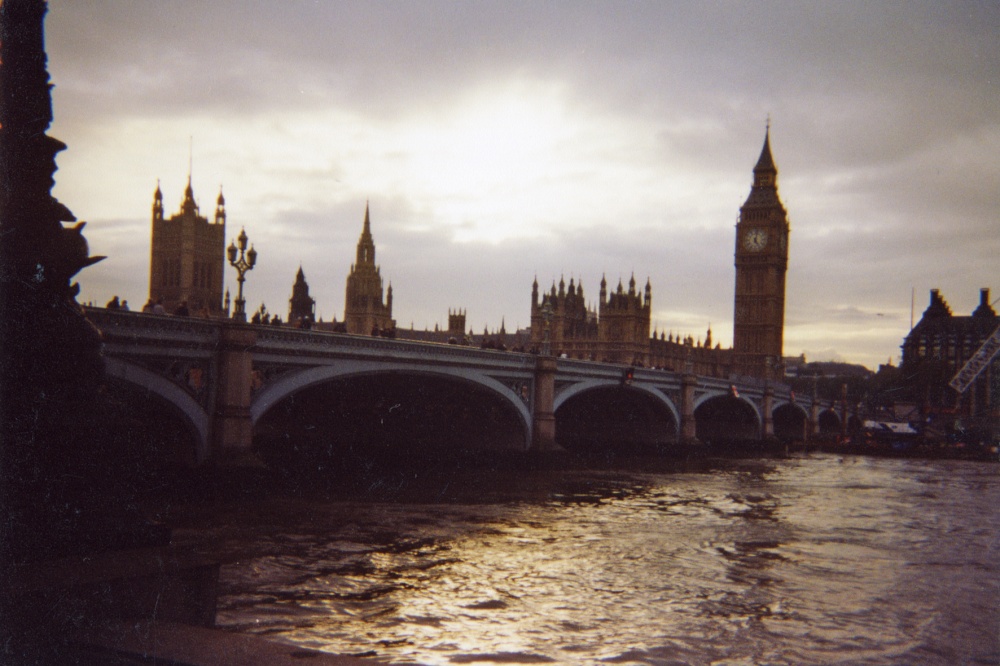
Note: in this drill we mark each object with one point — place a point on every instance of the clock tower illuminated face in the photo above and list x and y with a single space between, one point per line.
754 240
761 263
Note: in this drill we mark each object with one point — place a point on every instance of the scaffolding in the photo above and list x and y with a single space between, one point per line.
977 363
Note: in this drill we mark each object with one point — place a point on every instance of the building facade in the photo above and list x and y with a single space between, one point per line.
761 259
365 311
617 331
939 346
685 354
188 254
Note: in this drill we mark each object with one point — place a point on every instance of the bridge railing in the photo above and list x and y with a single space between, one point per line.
653 375
286 339
122 327
133 327
137 328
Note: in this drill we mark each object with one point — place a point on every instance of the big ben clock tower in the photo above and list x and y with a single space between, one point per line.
761 263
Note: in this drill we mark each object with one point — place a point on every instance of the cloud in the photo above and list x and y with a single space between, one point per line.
502 140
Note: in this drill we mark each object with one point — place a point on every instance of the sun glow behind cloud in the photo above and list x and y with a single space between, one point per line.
494 162
567 138
515 159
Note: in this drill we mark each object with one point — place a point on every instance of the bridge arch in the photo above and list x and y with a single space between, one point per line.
195 416
790 421
721 417
590 384
636 416
829 422
854 423
294 382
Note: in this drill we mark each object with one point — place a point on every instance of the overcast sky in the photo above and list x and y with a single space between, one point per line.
500 141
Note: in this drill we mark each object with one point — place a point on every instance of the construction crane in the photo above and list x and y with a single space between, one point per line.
977 363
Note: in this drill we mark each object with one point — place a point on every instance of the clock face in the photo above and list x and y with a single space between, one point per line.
755 240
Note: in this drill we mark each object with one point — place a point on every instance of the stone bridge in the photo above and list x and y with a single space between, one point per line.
222 378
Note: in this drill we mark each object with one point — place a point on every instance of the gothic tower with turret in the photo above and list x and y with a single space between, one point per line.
188 255
364 310
761 263
624 322
616 332
301 306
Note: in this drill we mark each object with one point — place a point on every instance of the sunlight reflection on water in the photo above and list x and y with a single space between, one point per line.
806 560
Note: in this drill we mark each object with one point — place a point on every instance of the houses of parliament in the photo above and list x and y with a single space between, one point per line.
188 259
617 330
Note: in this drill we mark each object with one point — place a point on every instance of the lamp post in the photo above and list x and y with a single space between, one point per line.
242 265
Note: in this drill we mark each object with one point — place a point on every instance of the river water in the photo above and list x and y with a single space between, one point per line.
816 559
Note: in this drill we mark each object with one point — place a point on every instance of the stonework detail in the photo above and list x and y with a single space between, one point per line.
616 332
761 259
365 311
188 256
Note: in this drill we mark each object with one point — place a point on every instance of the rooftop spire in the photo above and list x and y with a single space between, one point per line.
220 208
366 244
189 205
765 162
764 191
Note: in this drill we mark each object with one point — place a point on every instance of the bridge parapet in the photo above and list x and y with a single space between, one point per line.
224 376
284 341
156 330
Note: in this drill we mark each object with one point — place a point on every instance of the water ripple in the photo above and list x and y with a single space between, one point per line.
818 560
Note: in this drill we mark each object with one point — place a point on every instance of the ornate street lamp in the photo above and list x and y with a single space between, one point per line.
547 318
242 265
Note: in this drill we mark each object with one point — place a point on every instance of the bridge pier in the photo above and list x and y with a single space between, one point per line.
768 409
543 418
689 429
813 425
232 428
843 411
